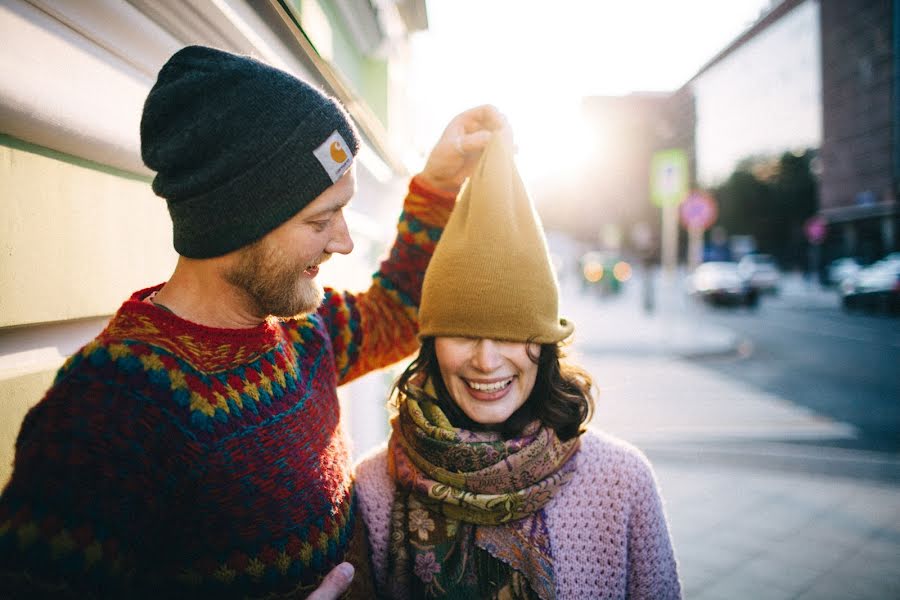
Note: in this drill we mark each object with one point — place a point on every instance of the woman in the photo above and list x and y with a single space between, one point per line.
490 487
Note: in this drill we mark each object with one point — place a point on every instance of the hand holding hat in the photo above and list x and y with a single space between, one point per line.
456 153
491 274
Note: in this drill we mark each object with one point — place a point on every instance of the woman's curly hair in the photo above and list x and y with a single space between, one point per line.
561 398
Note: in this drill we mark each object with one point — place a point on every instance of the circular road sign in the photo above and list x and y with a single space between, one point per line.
815 228
698 211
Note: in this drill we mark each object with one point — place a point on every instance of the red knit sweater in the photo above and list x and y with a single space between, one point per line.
174 459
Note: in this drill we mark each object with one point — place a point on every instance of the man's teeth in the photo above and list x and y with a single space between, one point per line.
489 387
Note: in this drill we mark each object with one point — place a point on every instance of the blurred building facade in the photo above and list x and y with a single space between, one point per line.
82 228
759 96
818 75
860 179
617 184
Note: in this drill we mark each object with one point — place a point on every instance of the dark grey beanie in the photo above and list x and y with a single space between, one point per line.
238 147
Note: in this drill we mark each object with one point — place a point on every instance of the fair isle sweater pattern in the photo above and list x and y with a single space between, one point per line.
174 457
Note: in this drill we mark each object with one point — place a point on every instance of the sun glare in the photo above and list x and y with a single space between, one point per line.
556 147
536 60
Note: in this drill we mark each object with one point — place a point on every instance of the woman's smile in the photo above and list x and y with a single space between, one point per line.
485 391
488 379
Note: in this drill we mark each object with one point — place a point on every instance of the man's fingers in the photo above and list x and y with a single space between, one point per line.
485 116
335 583
473 142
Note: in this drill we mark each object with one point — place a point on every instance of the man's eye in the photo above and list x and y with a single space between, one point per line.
319 225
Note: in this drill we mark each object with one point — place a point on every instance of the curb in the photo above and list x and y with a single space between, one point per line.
781 456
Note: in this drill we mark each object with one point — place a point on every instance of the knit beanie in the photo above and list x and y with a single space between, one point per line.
491 275
238 147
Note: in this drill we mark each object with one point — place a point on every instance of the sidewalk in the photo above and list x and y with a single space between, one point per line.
620 325
752 514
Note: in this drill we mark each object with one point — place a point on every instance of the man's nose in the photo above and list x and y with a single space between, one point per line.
340 242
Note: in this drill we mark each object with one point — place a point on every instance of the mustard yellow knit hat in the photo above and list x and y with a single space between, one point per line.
490 276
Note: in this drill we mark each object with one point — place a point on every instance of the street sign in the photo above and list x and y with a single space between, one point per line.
668 177
698 211
815 227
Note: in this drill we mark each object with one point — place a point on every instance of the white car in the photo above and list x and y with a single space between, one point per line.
719 283
841 268
874 287
760 272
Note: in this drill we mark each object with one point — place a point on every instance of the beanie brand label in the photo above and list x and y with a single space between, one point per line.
335 156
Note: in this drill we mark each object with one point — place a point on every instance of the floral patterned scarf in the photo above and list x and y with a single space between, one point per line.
468 519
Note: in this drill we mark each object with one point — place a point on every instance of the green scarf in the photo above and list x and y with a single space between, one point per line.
468 519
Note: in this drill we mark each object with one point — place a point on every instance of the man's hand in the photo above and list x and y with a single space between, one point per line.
457 151
334 584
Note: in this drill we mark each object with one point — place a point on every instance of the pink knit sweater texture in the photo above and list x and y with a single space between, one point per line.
608 529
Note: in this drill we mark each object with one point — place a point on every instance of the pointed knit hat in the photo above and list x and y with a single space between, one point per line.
491 276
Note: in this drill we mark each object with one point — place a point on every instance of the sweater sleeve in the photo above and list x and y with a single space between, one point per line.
80 516
652 572
378 327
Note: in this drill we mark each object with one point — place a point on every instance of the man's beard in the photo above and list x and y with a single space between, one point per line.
274 285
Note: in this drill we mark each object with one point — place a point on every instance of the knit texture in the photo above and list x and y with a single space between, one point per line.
230 136
464 502
188 461
495 244
607 526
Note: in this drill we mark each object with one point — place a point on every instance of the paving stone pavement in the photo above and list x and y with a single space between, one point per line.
751 533
752 515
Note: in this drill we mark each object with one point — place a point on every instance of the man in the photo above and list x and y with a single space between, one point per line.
194 447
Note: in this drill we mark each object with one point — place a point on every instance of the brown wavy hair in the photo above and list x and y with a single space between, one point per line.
561 398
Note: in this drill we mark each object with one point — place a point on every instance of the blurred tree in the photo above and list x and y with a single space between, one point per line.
796 194
770 198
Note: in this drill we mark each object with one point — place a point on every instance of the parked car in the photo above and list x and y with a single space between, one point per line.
761 272
720 283
876 287
841 268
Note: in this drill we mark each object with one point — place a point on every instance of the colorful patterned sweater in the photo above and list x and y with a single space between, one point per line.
608 530
176 460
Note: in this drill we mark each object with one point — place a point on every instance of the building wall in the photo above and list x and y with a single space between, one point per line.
615 184
859 186
858 75
352 41
76 239
763 97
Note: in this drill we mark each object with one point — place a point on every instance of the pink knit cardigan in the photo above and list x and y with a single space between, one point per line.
608 530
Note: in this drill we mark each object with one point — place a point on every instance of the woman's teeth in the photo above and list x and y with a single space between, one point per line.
489 387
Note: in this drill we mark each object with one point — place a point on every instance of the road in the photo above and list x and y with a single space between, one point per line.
801 347
776 453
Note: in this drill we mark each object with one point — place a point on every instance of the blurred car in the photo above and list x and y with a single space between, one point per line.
604 272
761 272
876 287
841 268
720 283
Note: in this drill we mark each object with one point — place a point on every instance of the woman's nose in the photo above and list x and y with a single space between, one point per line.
487 356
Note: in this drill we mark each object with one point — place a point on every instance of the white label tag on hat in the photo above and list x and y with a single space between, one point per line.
335 156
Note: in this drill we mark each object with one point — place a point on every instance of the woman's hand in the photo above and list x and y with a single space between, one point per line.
457 151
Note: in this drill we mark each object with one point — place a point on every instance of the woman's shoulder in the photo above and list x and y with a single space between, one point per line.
605 456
